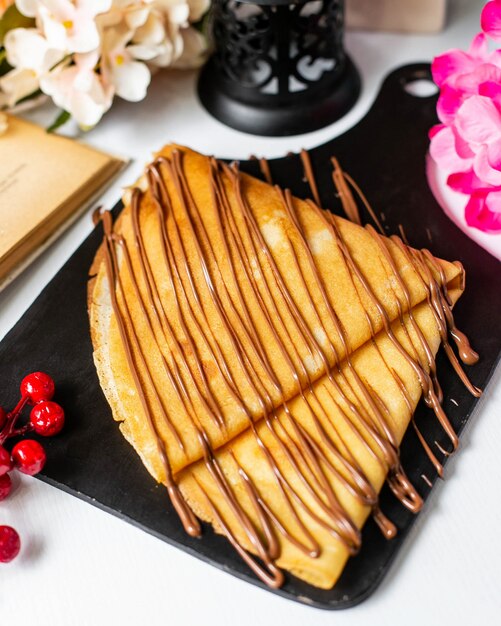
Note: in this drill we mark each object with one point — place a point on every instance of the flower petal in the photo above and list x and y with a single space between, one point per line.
465 182
28 7
143 53
478 121
483 211
131 80
490 20
494 154
152 32
484 72
17 84
478 47
83 38
25 48
462 147
447 65
449 101
490 89
94 7
435 129
194 49
54 32
178 13
484 170
86 111
87 60
137 17
197 9
444 153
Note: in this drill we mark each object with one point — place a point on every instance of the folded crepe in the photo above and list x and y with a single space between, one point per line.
265 358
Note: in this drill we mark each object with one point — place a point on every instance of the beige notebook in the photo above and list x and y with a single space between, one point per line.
46 181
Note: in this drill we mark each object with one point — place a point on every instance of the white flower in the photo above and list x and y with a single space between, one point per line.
68 26
123 65
79 89
161 35
83 52
167 28
31 57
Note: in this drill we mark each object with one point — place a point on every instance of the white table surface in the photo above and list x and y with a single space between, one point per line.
81 566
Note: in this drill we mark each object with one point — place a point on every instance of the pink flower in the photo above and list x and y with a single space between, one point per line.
491 19
467 145
461 74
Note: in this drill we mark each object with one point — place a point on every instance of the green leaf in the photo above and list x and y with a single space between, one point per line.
30 96
12 18
61 119
4 66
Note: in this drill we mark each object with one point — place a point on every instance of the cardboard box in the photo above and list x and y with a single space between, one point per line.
408 16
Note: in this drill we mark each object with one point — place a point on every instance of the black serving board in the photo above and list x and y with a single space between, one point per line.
385 154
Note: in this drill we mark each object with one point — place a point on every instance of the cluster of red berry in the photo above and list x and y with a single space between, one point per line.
28 455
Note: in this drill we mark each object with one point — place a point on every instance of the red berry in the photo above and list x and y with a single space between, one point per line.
3 417
10 544
5 461
47 418
37 386
29 457
5 486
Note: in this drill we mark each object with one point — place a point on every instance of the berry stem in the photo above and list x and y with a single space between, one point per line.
11 419
22 431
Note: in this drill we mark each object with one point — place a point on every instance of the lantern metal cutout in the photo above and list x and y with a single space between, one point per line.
279 66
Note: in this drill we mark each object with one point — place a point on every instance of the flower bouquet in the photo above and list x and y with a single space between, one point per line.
467 143
83 53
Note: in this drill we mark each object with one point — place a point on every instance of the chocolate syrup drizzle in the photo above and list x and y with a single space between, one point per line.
313 458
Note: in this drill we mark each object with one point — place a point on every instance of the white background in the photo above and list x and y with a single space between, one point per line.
80 566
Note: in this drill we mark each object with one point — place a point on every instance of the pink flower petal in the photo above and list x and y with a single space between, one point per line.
463 182
449 64
490 89
484 170
461 146
483 211
494 154
484 72
435 129
478 121
449 101
493 201
490 20
495 57
478 47
443 152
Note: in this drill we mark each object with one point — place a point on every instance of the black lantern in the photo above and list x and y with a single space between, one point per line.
279 66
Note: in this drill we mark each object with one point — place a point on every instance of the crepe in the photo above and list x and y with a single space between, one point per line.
264 358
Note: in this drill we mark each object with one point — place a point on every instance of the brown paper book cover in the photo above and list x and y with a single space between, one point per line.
46 181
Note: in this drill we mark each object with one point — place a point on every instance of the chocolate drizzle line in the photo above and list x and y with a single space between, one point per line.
318 455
